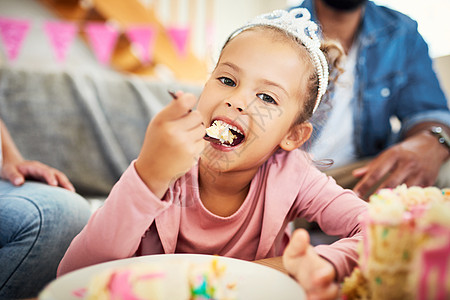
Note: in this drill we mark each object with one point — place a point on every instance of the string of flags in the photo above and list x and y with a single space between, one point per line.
102 38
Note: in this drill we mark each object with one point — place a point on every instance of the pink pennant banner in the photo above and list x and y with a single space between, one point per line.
143 39
179 37
103 38
61 35
13 32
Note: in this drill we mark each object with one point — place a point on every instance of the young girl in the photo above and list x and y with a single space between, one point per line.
235 193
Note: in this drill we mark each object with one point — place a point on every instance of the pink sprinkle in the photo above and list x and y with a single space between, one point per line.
80 293
120 286
152 276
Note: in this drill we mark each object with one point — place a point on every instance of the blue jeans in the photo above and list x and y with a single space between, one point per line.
37 224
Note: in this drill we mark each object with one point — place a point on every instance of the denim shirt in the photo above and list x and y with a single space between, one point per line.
393 77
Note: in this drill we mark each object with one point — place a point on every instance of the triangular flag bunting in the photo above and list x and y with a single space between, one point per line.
143 39
13 33
102 38
61 35
179 37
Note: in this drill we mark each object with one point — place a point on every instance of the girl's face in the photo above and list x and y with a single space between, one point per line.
258 86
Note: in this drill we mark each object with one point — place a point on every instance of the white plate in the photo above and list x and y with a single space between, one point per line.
254 281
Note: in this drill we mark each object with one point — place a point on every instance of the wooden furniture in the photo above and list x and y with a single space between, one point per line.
126 13
274 263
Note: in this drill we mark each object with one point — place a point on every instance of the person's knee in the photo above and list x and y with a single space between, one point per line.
61 213
21 220
62 208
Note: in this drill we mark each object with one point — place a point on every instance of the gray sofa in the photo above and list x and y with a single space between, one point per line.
88 125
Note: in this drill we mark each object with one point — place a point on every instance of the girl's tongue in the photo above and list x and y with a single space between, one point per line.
222 133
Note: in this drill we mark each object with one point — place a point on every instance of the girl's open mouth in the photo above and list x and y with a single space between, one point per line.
225 134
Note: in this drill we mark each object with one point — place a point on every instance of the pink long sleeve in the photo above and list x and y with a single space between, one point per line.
337 211
114 231
133 221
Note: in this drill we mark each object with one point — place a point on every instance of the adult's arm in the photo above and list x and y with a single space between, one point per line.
9 149
420 104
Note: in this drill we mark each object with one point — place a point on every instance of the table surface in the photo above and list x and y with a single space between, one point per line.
274 263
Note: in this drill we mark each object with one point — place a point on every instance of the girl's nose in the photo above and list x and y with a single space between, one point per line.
239 108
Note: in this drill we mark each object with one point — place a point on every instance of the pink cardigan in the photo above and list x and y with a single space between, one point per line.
134 222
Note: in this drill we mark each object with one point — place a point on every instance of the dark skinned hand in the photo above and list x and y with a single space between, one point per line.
414 161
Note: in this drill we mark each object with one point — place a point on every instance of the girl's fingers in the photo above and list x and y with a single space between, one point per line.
197 134
295 254
185 131
324 276
178 107
330 292
191 121
298 245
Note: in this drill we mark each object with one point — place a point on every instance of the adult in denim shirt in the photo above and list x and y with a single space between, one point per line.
393 76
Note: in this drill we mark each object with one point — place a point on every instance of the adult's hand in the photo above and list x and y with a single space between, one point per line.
17 171
414 161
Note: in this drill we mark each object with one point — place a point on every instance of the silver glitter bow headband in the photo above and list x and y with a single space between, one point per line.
297 22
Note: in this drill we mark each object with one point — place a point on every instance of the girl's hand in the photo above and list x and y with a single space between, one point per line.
16 172
172 144
315 274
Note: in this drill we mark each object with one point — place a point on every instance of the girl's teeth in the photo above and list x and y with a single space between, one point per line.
235 129
221 131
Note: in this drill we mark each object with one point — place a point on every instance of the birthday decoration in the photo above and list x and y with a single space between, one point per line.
13 32
102 38
143 39
179 36
61 35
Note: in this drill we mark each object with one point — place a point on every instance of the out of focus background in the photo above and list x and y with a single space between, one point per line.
185 37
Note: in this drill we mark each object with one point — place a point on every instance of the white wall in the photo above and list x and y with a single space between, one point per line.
442 68
433 21
232 14
227 15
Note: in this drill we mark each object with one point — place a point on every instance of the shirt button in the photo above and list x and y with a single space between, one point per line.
385 92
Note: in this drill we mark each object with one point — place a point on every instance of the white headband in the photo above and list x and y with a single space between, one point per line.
297 22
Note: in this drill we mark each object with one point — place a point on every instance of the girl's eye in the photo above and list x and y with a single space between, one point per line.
227 81
266 98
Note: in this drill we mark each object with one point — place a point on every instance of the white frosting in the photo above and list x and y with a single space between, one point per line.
386 207
438 213
221 131
417 195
